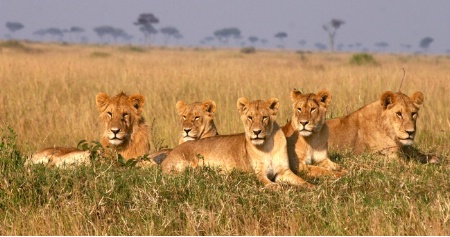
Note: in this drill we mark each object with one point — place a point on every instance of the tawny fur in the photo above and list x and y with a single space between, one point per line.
197 122
261 149
386 126
125 131
307 135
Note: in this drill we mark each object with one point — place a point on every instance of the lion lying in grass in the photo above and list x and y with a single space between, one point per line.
307 135
125 132
197 122
386 126
261 149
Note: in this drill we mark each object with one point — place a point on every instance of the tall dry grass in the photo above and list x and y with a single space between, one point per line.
48 98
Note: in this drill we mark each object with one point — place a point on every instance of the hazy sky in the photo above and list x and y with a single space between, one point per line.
396 22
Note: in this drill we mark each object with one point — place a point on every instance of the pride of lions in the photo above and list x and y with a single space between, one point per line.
274 154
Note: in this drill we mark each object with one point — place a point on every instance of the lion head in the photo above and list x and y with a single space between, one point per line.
400 114
196 120
121 116
309 111
258 118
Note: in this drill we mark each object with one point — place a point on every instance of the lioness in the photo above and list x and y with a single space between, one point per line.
386 126
197 122
307 135
260 149
125 131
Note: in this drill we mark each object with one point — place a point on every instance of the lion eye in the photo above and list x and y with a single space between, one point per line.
109 114
313 109
196 118
264 118
184 117
414 114
124 115
299 110
249 118
399 114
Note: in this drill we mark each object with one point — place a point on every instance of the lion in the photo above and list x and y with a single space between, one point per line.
125 132
197 122
307 135
261 149
386 126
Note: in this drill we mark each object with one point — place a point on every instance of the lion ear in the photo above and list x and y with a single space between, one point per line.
209 106
180 105
386 99
137 100
102 100
417 98
324 96
296 94
273 104
242 104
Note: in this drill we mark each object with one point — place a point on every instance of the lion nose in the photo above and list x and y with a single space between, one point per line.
187 130
304 122
257 132
410 131
115 130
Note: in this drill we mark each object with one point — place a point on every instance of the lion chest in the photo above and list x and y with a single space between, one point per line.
308 150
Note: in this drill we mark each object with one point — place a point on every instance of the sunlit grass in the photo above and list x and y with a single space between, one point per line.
48 98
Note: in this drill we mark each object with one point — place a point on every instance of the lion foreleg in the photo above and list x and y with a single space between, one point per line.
287 176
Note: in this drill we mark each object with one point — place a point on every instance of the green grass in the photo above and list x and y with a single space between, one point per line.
110 199
49 99
363 59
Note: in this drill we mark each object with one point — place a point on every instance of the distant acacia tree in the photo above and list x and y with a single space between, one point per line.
58 34
253 39
302 42
226 33
425 43
14 26
145 22
320 46
263 41
40 33
105 32
281 36
382 45
169 31
76 31
331 28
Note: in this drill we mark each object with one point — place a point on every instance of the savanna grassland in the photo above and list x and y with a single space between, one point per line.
48 98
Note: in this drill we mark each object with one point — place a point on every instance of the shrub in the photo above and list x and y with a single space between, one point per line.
363 59
248 50
100 55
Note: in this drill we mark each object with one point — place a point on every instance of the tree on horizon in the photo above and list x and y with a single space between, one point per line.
425 43
145 22
281 35
331 28
14 26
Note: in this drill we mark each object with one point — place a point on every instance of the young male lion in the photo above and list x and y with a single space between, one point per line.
386 126
307 135
197 122
260 149
125 131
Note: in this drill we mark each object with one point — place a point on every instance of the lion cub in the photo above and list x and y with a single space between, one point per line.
307 135
261 149
125 131
386 126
